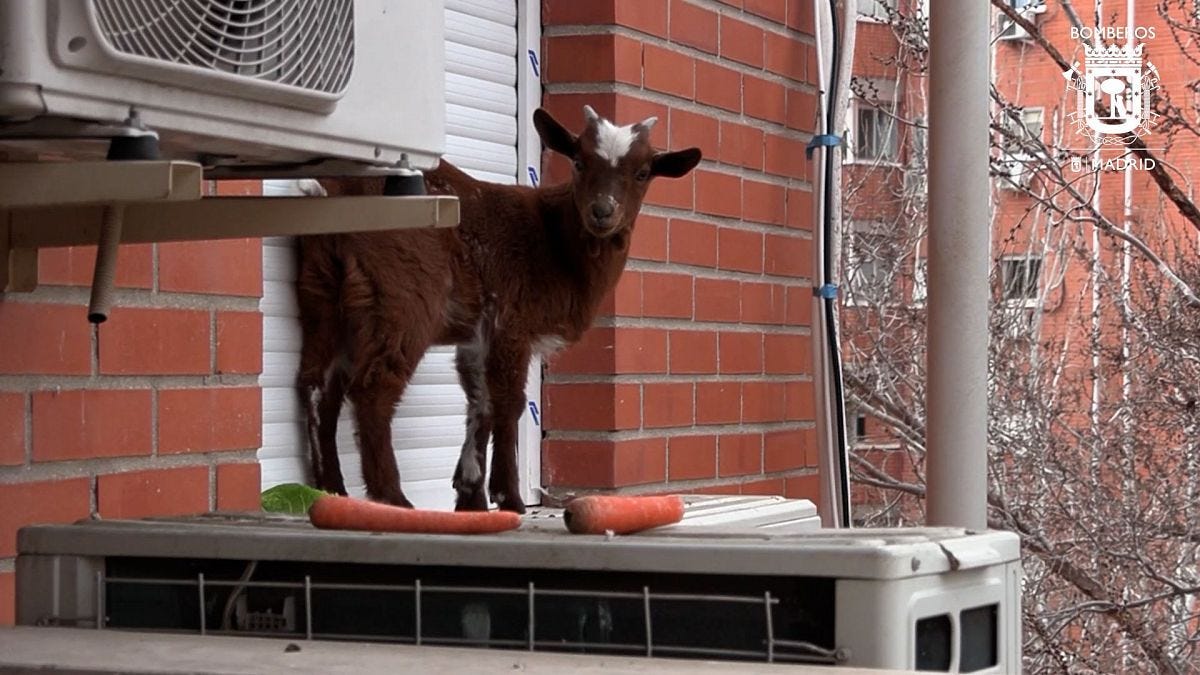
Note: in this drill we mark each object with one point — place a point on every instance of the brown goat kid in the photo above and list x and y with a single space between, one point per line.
524 272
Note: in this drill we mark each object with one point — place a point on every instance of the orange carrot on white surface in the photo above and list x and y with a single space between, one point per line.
335 512
598 514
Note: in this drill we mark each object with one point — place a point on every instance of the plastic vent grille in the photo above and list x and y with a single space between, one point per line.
302 43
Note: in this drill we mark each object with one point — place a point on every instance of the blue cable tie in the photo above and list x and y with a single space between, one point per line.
821 140
828 291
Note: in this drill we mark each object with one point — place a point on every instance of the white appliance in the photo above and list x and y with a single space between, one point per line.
228 83
742 578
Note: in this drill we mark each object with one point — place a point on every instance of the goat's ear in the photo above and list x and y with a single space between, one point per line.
675 164
553 135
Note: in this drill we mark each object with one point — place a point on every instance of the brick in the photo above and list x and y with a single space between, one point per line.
89 423
667 295
12 429
718 86
593 353
593 58
718 402
239 188
672 192
667 404
724 489
691 457
798 306
669 71
239 487
631 109
800 16
741 41
740 250
74 266
592 406
717 300
692 243
693 352
763 401
640 461
572 12
228 267
799 401
786 56
801 110
8 598
209 419
239 342
764 202
640 350
689 130
768 486
739 454
788 255
603 464
799 212
155 342
763 303
648 16
785 157
742 145
719 194
62 501
693 26
775 10
627 295
44 339
787 354
803 487
783 450
160 492
740 352
649 238
764 99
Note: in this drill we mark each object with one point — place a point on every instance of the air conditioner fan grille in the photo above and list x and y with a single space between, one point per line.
302 43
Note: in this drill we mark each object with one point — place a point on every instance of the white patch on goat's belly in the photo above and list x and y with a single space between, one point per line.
545 345
613 142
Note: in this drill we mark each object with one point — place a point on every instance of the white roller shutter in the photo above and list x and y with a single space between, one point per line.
483 114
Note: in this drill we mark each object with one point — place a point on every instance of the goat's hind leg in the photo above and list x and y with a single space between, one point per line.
320 386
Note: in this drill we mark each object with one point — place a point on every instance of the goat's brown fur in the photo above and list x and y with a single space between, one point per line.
525 268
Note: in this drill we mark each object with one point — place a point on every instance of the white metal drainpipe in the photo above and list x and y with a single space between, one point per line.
959 240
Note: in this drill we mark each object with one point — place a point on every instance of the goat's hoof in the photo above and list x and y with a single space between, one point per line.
397 500
471 501
513 504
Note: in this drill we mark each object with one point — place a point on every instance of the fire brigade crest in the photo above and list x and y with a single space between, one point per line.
1114 97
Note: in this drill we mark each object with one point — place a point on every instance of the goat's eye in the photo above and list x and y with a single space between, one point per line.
643 175
578 164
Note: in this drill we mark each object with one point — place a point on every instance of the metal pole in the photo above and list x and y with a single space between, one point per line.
959 260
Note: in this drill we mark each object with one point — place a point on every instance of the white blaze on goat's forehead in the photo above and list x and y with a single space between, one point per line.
613 142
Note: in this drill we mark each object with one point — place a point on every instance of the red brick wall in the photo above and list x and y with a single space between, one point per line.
697 377
155 412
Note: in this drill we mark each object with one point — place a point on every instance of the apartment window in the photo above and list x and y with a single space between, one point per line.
920 289
1019 279
1022 131
869 256
878 10
873 129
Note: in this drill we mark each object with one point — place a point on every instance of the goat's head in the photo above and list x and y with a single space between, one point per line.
613 167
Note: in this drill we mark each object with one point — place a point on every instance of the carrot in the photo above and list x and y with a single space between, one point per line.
334 512
597 514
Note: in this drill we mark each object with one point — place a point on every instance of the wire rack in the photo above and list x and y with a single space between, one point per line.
303 43
304 593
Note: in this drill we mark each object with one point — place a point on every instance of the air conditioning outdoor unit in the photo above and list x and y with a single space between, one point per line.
742 578
228 83
1011 30
1014 173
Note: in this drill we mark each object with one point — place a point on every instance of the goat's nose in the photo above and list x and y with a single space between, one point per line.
602 209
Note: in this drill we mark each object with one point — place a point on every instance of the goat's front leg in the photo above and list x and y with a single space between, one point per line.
374 406
507 367
469 360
